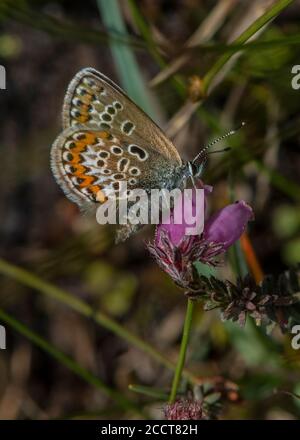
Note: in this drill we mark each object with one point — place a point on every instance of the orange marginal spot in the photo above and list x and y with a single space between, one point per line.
86 99
100 196
87 181
90 138
103 134
76 159
80 146
251 258
83 118
80 170
84 108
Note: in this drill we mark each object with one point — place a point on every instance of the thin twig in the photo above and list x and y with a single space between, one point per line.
183 349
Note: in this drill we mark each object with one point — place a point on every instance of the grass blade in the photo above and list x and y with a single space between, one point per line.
54 292
124 58
147 391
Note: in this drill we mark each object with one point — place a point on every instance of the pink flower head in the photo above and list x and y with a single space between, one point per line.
186 211
227 225
223 228
176 252
185 409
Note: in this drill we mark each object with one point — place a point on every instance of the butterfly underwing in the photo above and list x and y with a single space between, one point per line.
106 140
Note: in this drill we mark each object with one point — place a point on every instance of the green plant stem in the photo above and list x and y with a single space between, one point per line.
48 289
183 348
68 362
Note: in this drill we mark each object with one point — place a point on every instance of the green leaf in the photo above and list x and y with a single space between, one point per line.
255 347
205 269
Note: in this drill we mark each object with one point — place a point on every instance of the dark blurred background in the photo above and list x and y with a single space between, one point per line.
42 45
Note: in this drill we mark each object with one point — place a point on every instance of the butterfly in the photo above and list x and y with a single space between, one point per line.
107 139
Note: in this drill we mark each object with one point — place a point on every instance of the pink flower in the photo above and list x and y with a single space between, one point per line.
175 252
178 231
227 225
185 409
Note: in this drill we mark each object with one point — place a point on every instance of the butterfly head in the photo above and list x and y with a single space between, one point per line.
195 167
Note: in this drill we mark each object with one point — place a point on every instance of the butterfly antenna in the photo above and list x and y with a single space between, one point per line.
215 141
220 151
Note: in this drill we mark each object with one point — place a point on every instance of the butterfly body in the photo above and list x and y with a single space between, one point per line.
107 140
